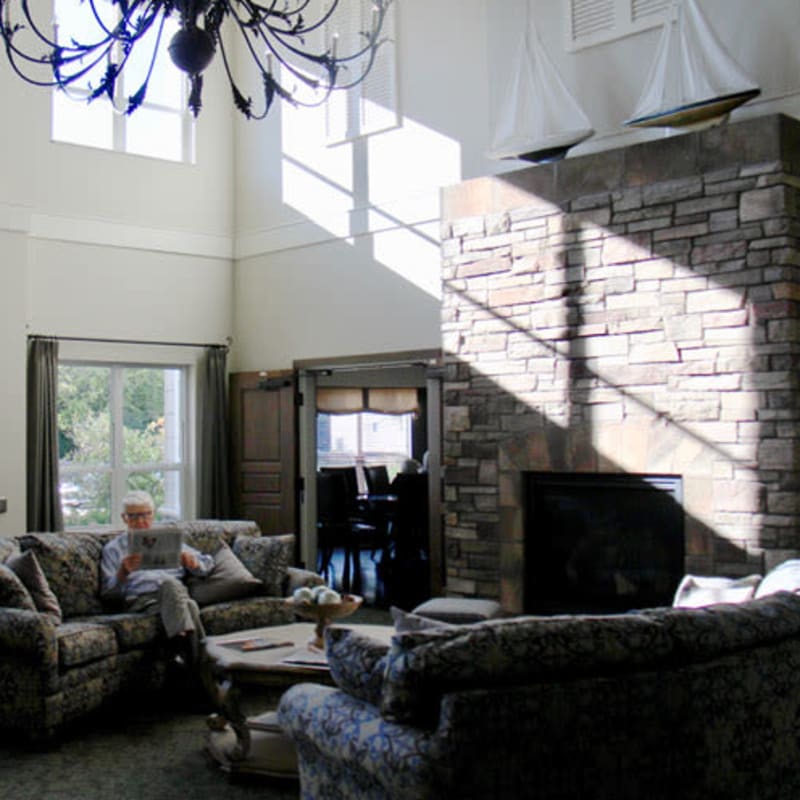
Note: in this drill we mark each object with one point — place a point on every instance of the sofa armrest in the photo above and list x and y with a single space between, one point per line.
30 637
297 577
344 743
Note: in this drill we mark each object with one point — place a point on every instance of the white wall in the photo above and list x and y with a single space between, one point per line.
317 252
338 246
99 244
12 386
607 79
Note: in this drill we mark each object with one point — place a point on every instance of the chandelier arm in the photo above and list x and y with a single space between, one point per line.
271 85
286 16
370 39
247 27
242 103
137 98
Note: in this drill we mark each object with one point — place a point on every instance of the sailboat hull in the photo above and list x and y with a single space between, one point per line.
702 113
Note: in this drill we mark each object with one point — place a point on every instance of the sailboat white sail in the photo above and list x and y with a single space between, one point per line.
693 81
539 119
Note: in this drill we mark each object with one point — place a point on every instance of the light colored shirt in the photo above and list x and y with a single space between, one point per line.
142 581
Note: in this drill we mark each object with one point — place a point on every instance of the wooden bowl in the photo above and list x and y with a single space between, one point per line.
323 614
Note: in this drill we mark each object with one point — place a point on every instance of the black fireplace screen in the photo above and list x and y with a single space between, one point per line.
601 543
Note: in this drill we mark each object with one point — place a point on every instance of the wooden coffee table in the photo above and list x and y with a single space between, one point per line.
256 744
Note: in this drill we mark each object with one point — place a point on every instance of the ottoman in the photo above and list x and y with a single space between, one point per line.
459 610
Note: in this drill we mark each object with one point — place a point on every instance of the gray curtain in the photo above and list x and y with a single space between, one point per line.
213 494
44 501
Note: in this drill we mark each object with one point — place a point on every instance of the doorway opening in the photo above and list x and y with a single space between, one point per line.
369 451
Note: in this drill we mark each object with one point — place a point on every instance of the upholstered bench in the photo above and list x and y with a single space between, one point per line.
459 610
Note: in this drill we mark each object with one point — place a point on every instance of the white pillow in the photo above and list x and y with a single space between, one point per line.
783 578
695 591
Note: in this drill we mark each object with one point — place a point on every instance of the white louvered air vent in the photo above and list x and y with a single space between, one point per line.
641 9
590 17
594 21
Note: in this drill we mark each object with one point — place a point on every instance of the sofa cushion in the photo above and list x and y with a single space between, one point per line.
71 564
13 593
356 662
133 629
244 613
422 665
82 642
26 567
228 580
783 578
205 535
267 558
695 591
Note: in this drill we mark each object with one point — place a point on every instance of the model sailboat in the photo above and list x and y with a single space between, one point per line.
540 119
693 82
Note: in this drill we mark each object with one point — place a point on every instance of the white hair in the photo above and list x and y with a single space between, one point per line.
138 499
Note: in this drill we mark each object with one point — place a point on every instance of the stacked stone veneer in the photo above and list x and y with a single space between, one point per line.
628 311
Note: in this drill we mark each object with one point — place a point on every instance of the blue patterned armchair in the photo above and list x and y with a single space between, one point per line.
665 703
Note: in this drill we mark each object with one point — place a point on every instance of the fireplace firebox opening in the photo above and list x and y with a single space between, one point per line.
602 543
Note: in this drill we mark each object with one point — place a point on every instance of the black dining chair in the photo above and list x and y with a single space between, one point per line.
377 478
350 477
341 525
407 572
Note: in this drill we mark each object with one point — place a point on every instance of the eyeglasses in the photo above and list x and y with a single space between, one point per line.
139 515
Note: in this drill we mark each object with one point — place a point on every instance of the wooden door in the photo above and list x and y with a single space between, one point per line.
264 449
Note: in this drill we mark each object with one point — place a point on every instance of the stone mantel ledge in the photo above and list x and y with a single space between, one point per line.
760 140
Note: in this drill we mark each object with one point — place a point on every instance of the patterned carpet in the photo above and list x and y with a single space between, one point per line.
143 753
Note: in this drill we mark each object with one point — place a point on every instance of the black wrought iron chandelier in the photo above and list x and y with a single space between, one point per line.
298 37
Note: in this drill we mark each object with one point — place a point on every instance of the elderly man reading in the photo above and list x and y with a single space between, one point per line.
141 589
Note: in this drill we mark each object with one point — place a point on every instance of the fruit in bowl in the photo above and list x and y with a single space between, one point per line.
322 604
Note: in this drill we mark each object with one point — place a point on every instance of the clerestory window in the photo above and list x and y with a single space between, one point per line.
160 128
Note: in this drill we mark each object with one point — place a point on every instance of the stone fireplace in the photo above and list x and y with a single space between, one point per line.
627 312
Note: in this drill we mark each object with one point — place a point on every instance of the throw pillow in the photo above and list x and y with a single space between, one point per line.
13 593
696 591
783 578
27 569
228 580
268 558
8 547
71 563
356 663
406 621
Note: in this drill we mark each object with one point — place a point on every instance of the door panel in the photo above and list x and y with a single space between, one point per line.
264 450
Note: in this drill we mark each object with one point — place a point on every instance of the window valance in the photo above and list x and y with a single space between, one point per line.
352 400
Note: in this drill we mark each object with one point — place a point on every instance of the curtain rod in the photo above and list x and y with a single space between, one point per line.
227 344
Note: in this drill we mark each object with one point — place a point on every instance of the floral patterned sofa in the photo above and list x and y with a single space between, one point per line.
660 704
64 652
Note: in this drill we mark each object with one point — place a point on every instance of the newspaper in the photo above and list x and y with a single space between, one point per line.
160 548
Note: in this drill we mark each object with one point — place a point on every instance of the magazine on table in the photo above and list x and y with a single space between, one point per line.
160 548
256 643
306 657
